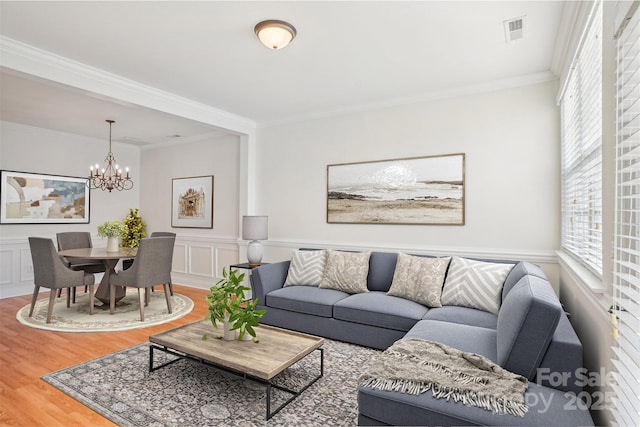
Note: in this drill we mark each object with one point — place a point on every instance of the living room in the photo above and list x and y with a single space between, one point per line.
508 128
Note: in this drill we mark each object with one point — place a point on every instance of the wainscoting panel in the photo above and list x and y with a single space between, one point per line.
26 265
224 258
201 261
204 259
16 270
197 262
180 258
6 267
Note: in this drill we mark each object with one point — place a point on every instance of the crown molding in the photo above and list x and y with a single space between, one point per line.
454 92
566 33
24 58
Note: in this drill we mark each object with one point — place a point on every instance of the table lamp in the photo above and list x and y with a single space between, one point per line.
254 228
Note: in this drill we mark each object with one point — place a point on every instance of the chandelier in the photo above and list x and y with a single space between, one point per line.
110 177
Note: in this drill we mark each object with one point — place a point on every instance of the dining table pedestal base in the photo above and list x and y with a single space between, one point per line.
110 260
102 293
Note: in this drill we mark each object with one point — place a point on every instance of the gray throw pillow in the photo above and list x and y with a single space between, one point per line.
306 268
475 284
419 279
346 271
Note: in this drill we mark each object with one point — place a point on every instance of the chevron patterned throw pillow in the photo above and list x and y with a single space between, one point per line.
306 268
475 284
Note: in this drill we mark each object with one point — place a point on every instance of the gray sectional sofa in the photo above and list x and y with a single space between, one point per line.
529 335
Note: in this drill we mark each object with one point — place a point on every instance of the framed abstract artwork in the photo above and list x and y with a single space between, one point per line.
417 190
192 202
33 198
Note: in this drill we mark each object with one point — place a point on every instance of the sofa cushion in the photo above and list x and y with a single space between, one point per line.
419 279
564 354
475 284
305 299
379 309
346 271
472 339
520 270
306 268
463 315
526 322
381 269
547 407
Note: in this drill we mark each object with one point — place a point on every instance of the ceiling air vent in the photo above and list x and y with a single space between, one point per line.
514 29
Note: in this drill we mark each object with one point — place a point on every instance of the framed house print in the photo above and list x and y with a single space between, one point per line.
419 190
192 202
33 198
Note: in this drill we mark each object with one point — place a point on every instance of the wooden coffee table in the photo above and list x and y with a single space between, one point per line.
260 362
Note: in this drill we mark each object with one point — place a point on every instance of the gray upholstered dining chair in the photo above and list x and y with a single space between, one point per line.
77 240
167 234
49 271
152 266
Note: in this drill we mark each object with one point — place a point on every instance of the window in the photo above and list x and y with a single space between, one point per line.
626 262
581 125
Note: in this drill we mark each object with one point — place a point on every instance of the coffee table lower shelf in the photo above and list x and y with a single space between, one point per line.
268 383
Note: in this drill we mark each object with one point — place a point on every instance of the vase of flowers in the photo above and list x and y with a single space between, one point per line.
112 230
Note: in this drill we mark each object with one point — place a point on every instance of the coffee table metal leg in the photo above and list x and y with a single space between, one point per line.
294 393
269 414
166 350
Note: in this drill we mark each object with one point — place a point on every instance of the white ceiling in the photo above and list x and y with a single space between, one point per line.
347 55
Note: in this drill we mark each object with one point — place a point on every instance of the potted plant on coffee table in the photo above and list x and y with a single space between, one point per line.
227 305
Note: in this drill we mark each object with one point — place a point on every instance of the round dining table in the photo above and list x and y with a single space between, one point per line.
110 260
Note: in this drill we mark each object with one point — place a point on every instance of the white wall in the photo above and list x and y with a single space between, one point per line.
29 149
511 141
200 253
510 138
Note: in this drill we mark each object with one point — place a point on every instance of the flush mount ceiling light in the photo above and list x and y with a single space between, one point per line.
275 34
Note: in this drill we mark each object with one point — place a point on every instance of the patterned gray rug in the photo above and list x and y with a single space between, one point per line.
120 387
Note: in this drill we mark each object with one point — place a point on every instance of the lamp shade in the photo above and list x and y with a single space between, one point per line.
254 227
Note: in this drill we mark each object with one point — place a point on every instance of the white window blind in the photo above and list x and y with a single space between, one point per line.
626 263
581 123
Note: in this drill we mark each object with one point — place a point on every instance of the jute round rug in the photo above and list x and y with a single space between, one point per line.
126 315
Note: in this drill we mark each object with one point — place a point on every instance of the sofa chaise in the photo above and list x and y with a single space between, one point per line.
520 325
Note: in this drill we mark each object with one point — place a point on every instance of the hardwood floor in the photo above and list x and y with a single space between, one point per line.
26 354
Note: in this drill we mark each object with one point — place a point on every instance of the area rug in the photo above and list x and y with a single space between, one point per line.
126 315
120 387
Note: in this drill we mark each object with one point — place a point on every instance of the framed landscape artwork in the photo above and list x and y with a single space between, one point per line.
418 190
192 202
32 198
